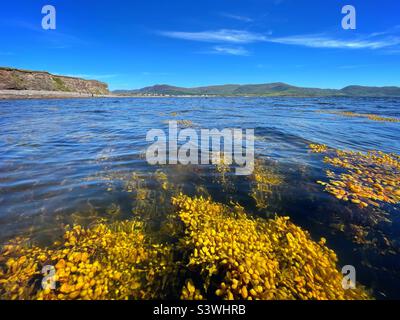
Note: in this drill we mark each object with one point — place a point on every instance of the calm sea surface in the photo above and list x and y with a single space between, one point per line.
77 161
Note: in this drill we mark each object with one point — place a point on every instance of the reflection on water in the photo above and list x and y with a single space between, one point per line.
82 162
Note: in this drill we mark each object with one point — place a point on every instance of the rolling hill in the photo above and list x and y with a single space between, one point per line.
268 89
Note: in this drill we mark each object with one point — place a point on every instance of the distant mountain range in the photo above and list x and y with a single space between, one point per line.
268 89
20 80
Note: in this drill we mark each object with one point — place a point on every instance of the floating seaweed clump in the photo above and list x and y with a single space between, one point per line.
318 148
369 116
112 261
367 180
264 179
185 123
248 258
369 177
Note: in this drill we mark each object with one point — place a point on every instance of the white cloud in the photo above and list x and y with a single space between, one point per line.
223 35
377 40
320 41
237 17
235 51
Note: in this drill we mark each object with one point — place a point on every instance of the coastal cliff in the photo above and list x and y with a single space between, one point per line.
16 79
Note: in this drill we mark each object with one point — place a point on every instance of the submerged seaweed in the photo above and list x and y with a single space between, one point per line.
114 261
251 258
229 254
264 180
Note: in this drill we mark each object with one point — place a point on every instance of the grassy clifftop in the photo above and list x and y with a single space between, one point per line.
17 79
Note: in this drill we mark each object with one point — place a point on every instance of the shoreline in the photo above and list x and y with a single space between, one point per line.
37 94
47 95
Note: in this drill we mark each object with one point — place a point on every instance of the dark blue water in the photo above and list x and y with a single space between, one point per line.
68 161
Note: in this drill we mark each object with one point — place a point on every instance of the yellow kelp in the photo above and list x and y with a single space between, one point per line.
113 211
134 183
184 123
223 168
104 262
189 291
162 179
318 148
370 177
150 193
255 258
263 180
369 116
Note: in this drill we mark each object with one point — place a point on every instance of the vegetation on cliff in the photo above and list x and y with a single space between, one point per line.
16 79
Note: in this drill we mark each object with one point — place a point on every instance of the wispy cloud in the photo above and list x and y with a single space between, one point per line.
322 41
392 30
222 35
235 51
377 40
237 17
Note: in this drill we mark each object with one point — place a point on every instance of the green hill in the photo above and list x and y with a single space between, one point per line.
361 91
268 89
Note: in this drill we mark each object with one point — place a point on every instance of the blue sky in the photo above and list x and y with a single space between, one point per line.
131 44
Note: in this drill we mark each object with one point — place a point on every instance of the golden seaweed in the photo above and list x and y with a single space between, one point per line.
255 258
